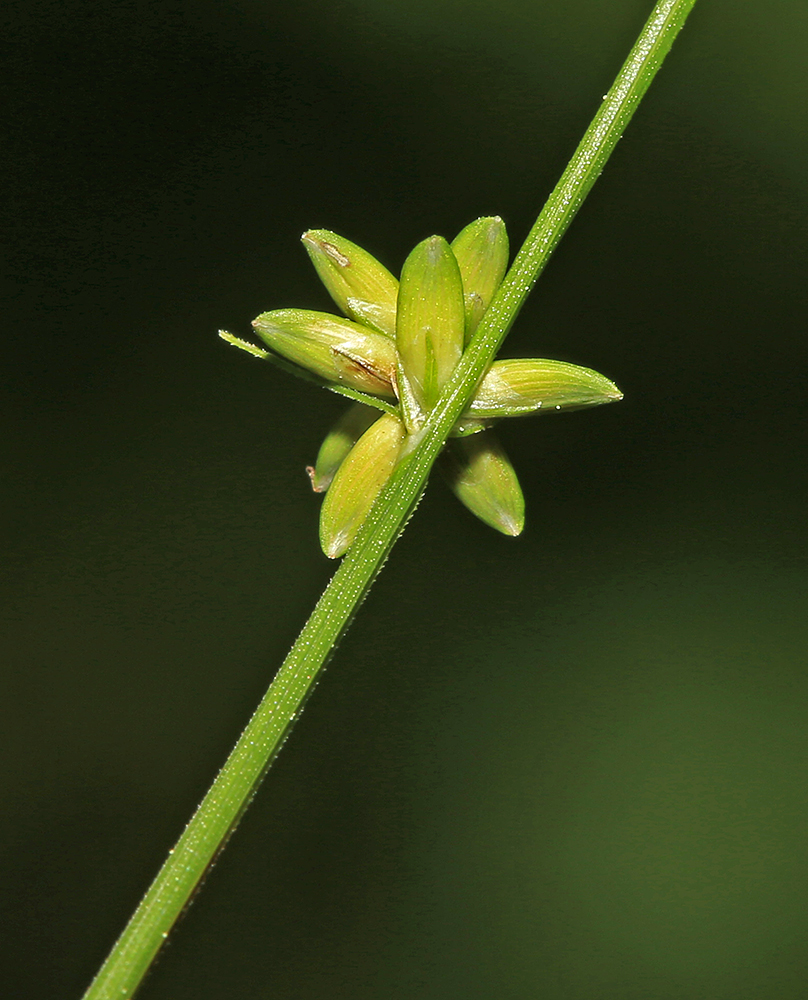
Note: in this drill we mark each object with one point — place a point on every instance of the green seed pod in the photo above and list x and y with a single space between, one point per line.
527 385
362 287
482 477
339 441
358 482
333 348
481 250
431 320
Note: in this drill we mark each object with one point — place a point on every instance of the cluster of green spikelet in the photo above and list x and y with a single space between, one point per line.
395 353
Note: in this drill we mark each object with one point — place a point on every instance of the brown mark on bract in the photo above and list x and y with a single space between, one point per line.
349 364
335 255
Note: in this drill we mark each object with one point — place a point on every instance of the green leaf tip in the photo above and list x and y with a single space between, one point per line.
243 345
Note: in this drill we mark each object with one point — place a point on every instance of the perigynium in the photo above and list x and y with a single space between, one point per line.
394 353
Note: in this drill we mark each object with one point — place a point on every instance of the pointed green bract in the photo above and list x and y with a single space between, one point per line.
358 482
528 385
243 345
431 319
482 477
338 443
362 287
335 349
481 250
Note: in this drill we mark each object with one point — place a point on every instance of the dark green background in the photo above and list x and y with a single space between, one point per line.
568 766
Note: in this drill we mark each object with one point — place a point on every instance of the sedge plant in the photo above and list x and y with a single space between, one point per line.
416 357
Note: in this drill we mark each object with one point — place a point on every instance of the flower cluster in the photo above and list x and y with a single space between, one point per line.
395 353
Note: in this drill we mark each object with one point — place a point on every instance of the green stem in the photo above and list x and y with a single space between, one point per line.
234 787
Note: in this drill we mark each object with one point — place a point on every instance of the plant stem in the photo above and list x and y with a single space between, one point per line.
234 787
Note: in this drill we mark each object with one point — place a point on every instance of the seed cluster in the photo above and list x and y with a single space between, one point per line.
393 352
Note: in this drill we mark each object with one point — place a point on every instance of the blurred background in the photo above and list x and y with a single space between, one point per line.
564 766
